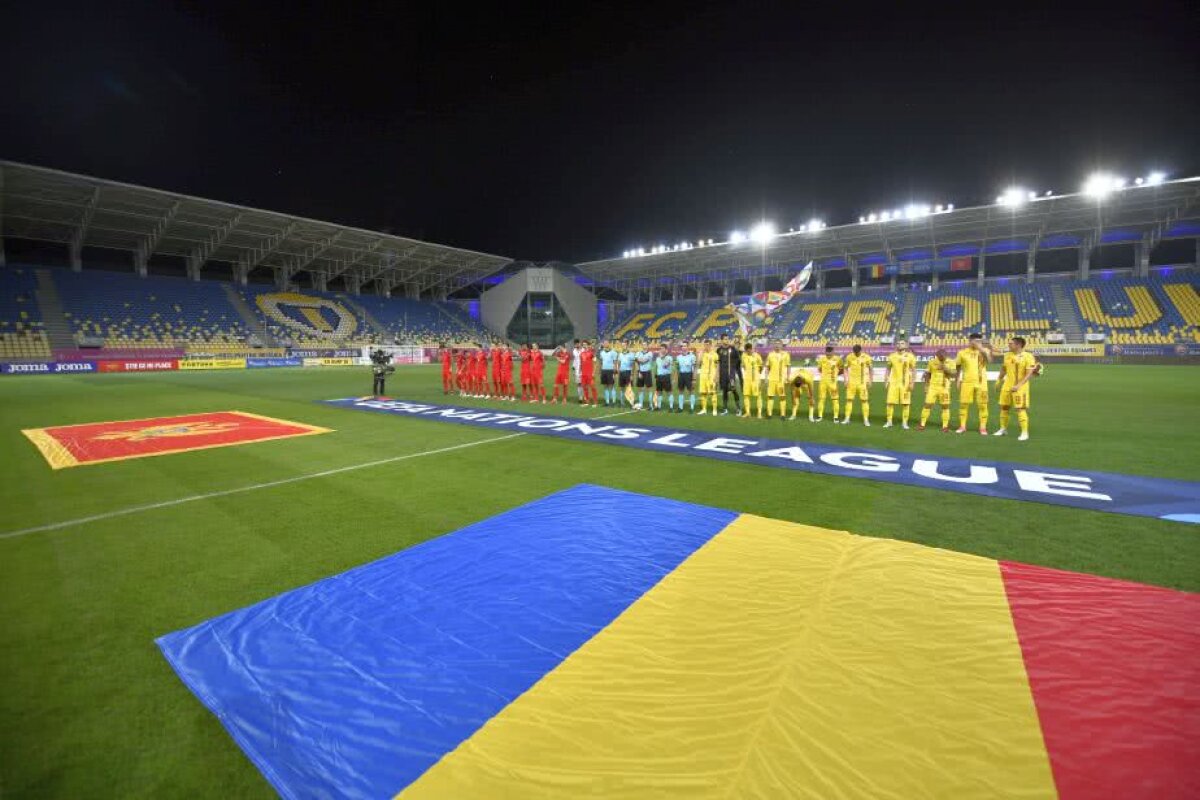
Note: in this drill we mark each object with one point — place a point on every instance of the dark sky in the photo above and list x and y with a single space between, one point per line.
575 131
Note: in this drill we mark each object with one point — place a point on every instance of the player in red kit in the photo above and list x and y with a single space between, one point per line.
497 362
587 374
480 372
506 384
562 377
462 372
525 379
447 370
537 371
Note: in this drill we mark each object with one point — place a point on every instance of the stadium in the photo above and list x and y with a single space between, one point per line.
893 503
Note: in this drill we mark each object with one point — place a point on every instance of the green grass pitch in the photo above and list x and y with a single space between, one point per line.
90 708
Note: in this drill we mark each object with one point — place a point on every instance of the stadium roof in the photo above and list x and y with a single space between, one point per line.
49 205
1134 214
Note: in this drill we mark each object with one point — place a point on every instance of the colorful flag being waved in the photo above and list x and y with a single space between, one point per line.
759 307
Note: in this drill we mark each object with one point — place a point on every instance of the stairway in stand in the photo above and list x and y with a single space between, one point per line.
54 320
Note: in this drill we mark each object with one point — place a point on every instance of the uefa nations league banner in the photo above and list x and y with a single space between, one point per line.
1097 491
47 367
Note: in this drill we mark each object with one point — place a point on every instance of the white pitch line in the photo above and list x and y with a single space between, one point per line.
70 523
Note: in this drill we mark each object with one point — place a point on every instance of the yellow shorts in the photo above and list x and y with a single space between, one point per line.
856 390
935 396
973 393
1015 399
707 385
775 388
830 389
751 388
899 394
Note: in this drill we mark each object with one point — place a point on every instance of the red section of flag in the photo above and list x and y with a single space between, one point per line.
72 445
1115 673
961 264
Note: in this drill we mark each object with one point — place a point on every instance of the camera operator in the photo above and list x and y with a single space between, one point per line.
381 367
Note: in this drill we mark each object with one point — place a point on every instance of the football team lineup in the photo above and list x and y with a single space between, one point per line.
675 374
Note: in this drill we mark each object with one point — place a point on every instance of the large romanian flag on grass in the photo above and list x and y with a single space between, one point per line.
598 643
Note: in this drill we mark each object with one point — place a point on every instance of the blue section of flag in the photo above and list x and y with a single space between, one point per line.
1137 495
355 685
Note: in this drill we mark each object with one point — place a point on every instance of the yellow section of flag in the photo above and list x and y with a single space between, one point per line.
779 660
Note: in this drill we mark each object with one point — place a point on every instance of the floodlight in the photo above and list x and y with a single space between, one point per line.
1156 178
938 208
1100 185
896 214
950 207
737 237
815 225
1137 181
885 216
871 218
763 232
1012 197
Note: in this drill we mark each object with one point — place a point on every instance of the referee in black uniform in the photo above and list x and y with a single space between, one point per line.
729 373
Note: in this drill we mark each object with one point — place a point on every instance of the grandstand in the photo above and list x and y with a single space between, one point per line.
22 334
128 312
1140 311
1152 310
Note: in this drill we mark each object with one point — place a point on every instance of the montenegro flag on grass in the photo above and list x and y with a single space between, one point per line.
598 643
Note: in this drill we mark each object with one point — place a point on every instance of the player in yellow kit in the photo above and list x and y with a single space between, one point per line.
972 362
830 367
752 366
802 386
1019 368
901 372
779 363
708 378
858 384
938 375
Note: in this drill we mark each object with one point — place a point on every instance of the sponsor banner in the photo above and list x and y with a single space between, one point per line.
213 363
257 363
330 362
323 353
1181 349
139 365
97 442
47 367
1097 491
1079 350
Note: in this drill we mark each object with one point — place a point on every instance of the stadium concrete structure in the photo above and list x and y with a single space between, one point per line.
184 275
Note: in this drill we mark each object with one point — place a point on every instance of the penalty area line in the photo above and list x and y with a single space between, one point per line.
123 512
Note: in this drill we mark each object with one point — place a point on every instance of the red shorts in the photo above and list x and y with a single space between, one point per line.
562 377
588 377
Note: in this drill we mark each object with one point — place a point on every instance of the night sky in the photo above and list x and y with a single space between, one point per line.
577 131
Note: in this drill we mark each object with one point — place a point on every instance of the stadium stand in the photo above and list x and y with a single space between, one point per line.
809 320
946 316
1140 310
129 312
22 334
1127 310
423 323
